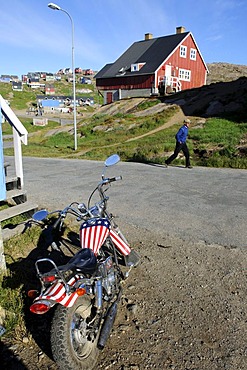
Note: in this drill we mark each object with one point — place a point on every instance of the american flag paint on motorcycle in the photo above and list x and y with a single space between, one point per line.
93 233
119 243
58 294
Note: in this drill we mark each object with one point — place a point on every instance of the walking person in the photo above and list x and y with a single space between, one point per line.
181 137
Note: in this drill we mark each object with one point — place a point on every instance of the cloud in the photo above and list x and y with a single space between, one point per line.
214 38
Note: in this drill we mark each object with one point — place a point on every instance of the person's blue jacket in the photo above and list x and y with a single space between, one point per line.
182 134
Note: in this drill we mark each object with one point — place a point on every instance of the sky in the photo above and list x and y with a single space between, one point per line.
35 38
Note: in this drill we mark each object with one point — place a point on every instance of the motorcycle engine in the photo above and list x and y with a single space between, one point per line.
108 274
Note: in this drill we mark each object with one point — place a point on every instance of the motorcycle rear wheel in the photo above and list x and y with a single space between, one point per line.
71 346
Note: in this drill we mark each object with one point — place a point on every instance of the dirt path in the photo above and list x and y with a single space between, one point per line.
177 118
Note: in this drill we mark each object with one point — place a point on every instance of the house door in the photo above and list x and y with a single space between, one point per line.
168 74
109 97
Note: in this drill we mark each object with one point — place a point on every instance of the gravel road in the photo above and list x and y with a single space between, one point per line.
205 204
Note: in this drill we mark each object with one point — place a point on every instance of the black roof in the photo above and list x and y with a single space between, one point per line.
143 52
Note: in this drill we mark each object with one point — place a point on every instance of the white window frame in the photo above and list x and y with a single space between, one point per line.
135 67
183 51
193 54
184 74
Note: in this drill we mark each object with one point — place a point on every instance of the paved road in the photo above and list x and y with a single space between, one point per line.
198 204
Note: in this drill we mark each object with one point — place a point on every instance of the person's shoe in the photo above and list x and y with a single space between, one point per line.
189 167
165 165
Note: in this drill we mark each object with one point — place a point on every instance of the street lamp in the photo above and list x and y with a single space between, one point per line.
57 7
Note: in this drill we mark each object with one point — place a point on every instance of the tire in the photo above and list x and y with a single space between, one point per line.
71 348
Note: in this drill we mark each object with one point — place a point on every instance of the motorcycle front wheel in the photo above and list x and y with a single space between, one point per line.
73 346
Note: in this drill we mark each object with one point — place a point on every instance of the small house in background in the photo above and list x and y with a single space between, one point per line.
78 70
154 66
40 122
5 79
67 71
43 75
17 86
57 77
88 72
9 78
34 76
14 78
24 78
49 89
49 77
86 80
34 83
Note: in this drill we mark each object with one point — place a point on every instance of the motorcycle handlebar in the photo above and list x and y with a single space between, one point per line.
115 178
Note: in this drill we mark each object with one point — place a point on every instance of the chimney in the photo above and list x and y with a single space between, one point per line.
148 36
180 29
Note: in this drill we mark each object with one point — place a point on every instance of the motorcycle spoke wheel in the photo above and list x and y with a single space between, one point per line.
74 346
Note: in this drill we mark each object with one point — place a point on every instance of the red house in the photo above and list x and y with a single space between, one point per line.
154 66
49 90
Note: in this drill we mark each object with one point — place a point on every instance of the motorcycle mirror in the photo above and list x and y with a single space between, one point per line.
40 215
113 159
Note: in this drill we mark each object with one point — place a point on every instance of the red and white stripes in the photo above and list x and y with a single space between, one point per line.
119 243
93 236
58 294
93 233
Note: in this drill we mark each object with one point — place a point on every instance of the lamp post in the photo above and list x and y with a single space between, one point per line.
57 7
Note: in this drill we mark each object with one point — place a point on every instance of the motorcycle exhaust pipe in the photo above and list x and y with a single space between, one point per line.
108 324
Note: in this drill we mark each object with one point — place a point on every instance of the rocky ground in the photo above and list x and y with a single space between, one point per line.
225 72
184 307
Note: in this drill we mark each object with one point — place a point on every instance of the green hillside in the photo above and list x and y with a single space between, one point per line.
133 128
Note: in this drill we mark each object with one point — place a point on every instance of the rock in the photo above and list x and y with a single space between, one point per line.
2 315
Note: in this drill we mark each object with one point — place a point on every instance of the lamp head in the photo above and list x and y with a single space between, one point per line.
54 6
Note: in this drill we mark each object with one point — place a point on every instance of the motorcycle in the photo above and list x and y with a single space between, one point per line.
86 291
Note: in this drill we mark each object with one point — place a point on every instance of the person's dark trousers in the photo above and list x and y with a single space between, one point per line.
178 148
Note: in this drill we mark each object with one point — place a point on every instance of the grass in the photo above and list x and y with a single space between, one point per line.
21 252
220 140
12 283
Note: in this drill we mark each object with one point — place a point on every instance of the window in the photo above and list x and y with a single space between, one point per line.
184 74
193 54
183 51
136 67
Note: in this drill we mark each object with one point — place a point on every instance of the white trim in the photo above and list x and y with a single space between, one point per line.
183 51
16 123
193 53
19 134
18 157
184 74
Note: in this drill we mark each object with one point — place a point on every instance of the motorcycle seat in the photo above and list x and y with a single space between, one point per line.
83 261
